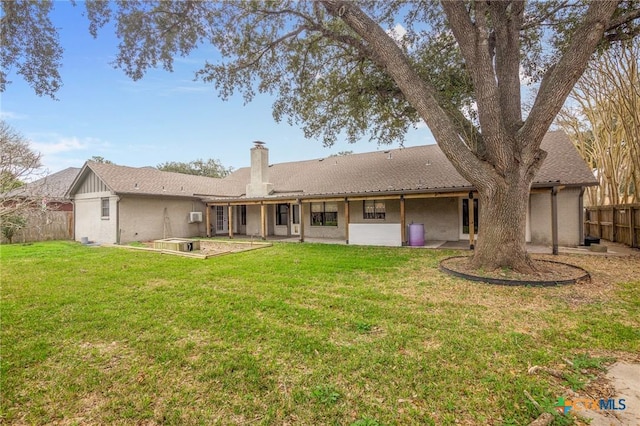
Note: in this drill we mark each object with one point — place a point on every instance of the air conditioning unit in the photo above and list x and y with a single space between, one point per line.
195 217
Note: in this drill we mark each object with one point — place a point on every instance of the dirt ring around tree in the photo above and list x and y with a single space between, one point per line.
550 273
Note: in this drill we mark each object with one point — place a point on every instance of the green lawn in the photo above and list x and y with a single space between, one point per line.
292 334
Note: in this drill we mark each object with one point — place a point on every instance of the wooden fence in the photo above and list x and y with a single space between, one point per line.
48 225
619 223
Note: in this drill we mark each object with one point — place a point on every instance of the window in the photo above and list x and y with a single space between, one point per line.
243 215
282 214
295 213
105 208
465 216
374 209
324 214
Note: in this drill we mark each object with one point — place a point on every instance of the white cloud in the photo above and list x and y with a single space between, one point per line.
59 152
10 115
62 144
397 32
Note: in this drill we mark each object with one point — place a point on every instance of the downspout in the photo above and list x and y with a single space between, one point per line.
554 219
118 220
581 217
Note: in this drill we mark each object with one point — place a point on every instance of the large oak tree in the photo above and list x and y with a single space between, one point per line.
359 68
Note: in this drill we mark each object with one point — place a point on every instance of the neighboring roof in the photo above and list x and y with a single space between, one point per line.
416 169
150 181
53 186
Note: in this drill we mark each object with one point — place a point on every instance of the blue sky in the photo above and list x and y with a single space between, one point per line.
163 117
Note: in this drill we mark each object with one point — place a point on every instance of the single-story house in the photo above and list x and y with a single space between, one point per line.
385 197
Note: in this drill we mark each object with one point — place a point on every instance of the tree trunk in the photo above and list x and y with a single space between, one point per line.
502 228
501 157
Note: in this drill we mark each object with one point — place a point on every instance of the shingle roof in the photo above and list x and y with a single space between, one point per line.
151 181
53 186
421 168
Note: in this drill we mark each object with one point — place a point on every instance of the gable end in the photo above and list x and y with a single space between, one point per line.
92 183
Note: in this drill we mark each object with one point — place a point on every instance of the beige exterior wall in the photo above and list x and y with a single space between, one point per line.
392 212
89 222
333 232
253 220
568 217
143 219
440 216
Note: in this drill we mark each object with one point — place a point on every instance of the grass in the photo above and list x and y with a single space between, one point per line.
292 334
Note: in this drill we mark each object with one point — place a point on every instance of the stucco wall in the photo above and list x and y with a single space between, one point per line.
334 232
568 218
440 217
143 219
253 220
392 212
88 218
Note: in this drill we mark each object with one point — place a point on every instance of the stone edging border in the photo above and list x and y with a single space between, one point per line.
499 281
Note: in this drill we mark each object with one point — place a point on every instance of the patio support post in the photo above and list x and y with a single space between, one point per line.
301 204
472 222
403 223
346 219
207 215
554 219
263 221
230 207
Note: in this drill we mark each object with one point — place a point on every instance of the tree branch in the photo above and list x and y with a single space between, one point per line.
560 79
419 93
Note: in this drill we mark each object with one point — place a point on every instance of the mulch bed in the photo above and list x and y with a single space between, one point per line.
548 273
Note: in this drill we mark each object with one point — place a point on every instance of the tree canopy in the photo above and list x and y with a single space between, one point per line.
29 44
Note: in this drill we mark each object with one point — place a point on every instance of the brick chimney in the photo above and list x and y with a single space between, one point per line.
259 185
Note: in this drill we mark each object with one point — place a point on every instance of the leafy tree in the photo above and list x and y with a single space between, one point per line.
211 168
100 159
336 66
603 119
10 224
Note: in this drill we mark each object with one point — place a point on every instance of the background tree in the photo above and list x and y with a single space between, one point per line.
337 67
341 153
18 164
603 120
100 159
211 168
